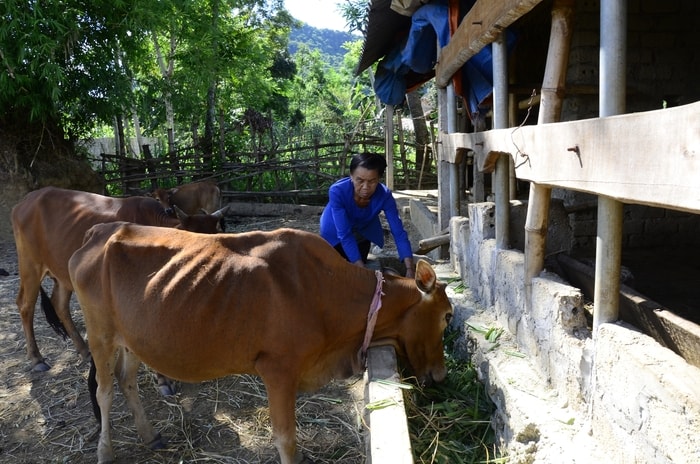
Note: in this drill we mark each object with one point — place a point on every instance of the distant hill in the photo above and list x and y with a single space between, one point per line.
327 41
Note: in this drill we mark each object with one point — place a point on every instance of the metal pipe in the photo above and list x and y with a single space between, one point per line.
606 296
613 57
443 167
500 121
500 82
613 65
454 168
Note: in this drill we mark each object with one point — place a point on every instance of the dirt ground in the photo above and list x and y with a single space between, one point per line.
47 417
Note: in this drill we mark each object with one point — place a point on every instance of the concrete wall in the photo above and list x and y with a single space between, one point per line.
562 394
97 146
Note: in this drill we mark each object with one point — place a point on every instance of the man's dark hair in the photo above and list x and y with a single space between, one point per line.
371 161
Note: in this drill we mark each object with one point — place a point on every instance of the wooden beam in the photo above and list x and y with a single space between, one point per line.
481 26
430 243
650 158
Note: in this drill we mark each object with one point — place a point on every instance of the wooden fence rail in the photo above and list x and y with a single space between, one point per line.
292 175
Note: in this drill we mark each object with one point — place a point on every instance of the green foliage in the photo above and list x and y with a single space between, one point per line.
86 63
331 99
356 15
451 422
53 53
328 42
220 80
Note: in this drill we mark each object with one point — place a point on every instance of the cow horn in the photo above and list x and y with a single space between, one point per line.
221 212
181 215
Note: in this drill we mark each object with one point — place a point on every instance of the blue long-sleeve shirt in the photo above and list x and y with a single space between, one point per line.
342 217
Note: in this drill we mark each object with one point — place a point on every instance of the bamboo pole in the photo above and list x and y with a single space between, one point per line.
389 141
553 85
430 243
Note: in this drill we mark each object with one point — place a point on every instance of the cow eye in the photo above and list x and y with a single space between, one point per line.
448 318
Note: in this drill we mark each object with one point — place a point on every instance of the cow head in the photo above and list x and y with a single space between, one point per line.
202 223
423 326
162 195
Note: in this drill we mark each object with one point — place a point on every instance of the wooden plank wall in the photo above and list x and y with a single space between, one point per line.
650 158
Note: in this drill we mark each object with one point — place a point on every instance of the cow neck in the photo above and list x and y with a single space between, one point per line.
372 317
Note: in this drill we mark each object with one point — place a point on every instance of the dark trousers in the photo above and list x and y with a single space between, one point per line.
364 246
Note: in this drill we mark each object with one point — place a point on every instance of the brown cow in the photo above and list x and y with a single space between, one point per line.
191 198
49 225
283 305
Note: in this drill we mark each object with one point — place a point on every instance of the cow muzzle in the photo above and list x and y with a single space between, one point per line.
432 377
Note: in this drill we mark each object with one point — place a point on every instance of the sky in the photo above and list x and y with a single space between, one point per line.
321 14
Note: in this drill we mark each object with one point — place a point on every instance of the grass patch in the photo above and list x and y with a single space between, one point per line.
451 422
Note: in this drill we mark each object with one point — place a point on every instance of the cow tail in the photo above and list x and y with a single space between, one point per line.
51 316
92 387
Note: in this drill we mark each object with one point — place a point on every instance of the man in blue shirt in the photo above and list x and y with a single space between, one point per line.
350 222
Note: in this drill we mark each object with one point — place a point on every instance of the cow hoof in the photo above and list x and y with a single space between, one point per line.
41 366
166 390
157 443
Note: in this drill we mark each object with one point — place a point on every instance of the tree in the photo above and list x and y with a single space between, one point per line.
64 59
355 13
60 61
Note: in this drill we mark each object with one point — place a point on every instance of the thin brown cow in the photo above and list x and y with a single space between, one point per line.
49 225
193 198
283 305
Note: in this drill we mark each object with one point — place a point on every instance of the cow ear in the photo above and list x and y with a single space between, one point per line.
425 276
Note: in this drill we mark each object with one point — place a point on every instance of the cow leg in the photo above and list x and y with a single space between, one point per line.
104 371
29 281
281 396
283 418
126 373
60 298
166 385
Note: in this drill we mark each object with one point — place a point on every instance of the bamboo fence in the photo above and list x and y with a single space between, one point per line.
297 174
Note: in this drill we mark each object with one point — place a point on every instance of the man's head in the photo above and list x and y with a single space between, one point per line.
369 161
366 170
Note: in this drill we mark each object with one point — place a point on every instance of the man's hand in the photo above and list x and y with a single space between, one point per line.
410 268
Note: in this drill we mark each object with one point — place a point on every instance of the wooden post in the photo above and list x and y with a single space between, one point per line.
389 144
402 152
550 111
